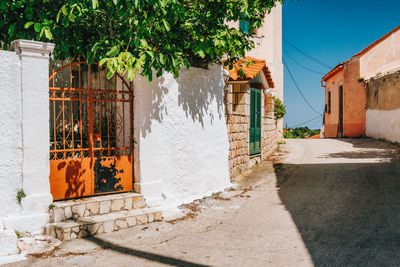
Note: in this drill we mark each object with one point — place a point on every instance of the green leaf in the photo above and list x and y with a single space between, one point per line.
110 74
42 32
3 5
166 25
113 52
137 2
115 2
65 21
48 34
102 61
28 24
64 10
162 59
37 27
151 54
131 75
200 53
95 3
11 30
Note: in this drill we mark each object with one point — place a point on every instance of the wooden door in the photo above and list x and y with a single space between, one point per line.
255 121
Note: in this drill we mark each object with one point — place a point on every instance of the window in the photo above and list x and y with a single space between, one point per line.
244 26
329 102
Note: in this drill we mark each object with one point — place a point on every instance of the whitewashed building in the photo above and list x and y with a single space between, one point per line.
130 149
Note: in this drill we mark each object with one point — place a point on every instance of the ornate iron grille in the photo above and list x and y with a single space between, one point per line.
91 117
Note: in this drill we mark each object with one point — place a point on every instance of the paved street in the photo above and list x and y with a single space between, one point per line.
327 203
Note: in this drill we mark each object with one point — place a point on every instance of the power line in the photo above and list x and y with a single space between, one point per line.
297 125
301 65
298 88
307 55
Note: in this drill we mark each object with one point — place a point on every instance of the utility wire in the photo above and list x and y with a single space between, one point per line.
298 88
301 65
307 55
297 125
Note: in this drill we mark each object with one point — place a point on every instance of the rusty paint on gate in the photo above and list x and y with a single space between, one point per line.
91 129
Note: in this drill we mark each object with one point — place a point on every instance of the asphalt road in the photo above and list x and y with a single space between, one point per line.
326 203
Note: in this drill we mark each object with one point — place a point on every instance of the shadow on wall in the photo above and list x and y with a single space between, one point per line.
152 106
195 91
347 214
198 89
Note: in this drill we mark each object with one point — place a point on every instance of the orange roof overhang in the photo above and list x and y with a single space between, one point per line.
335 70
251 67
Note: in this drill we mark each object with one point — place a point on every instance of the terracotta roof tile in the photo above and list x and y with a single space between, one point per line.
251 67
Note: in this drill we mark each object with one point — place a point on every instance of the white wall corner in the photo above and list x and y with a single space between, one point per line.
34 91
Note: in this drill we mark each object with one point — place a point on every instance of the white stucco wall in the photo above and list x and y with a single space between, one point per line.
24 164
10 133
182 142
383 124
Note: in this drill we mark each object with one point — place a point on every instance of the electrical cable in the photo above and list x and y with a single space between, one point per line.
301 65
307 55
298 88
297 125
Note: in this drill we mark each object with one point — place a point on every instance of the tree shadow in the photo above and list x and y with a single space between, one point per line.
347 214
368 143
143 254
196 95
196 91
73 178
368 149
149 104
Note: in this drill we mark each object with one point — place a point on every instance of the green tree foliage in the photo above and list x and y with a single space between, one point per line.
279 109
133 35
299 132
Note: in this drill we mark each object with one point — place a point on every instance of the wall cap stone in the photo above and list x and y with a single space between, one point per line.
31 48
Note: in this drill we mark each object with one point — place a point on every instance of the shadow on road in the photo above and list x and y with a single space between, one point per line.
143 254
347 214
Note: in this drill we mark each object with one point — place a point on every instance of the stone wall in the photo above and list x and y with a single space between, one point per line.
270 135
383 107
238 134
238 121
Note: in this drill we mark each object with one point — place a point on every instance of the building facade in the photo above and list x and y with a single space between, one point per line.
71 133
346 111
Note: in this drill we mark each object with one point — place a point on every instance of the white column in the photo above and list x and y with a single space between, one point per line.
35 135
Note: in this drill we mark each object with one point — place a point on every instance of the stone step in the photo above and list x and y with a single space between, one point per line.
105 223
84 207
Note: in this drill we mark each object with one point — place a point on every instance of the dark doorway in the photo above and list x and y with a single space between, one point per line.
340 130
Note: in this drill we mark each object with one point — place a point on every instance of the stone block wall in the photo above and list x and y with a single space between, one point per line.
237 101
238 119
238 133
270 135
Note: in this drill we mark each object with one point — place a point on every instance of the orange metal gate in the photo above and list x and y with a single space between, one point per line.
91 131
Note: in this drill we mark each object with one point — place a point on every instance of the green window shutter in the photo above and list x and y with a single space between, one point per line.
255 121
244 26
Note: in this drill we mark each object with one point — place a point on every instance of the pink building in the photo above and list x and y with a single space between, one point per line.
345 95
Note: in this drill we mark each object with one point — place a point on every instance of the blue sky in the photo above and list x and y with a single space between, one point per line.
331 31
